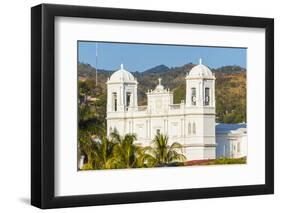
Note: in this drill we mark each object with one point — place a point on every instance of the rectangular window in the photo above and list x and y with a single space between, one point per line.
128 99
207 96
114 96
189 128
194 128
193 96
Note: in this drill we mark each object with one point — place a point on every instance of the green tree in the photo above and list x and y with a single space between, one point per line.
89 127
86 88
164 154
103 152
91 123
86 147
125 152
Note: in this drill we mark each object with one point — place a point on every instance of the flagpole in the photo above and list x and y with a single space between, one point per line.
96 64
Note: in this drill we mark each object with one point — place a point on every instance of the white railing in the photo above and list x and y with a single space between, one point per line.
174 106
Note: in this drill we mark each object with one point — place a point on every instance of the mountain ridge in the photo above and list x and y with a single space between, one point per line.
162 68
157 69
230 86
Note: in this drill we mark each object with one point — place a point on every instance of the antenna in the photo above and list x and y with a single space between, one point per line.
96 64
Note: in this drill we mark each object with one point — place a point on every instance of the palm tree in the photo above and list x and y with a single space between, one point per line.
162 153
125 152
103 152
145 160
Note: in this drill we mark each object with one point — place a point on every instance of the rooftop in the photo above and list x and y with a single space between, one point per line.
224 128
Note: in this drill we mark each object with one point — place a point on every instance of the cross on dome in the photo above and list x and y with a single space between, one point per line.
200 71
122 75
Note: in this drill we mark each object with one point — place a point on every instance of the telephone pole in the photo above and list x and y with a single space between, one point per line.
96 64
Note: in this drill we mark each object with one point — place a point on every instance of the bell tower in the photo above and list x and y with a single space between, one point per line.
121 91
200 103
121 99
200 87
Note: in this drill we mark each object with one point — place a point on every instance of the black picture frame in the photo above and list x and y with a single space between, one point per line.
43 102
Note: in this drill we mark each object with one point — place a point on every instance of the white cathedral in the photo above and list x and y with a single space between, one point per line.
191 123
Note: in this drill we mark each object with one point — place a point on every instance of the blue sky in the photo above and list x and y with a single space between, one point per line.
140 57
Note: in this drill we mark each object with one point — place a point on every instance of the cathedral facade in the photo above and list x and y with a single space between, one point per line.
191 123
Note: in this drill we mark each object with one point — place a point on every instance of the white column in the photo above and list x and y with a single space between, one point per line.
123 96
149 123
214 94
184 127
132 125
109 100
167 125
181 127
198 99
146 129
203 93
136 97
187 101
120 99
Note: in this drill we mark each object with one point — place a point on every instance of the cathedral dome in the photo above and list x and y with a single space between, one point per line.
121 75
200 71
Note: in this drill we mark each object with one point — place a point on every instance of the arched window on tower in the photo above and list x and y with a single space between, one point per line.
189 128
193 96
207 96
194 128
128 99
114 101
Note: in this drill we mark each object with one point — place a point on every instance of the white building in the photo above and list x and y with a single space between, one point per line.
231 140
191 123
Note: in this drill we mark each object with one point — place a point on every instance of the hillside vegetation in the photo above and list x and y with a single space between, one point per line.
230 87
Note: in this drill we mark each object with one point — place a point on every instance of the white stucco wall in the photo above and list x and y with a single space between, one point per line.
192 125
231 141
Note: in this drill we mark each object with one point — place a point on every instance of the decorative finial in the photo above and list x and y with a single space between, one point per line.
121 67
200 60
159 79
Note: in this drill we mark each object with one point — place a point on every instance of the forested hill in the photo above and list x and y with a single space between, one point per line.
230 86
